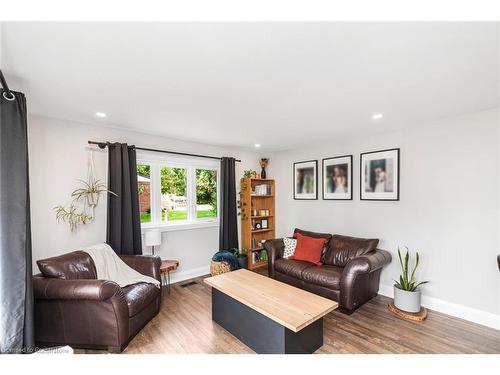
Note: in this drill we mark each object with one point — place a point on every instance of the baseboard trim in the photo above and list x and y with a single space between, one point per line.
178 276
459 311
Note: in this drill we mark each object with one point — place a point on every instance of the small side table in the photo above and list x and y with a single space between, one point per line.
166 267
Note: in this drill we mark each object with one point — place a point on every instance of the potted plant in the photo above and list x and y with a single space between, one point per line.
242 257
406 292
91 191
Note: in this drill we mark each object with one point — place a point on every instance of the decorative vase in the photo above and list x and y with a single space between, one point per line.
407 301
263 173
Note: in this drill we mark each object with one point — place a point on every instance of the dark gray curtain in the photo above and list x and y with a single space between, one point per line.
124 222
228 230
16 294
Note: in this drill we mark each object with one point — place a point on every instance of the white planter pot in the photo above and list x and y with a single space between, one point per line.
93 199
407 301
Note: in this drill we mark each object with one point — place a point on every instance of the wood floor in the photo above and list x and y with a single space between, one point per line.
184 325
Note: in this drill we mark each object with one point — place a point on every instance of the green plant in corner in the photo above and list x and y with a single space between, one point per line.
407 280
242 253
240 204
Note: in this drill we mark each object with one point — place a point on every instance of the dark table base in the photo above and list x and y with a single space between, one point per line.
261 334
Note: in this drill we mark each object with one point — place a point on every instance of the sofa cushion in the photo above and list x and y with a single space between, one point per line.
291 267
307 233
342 249
326 236
290 246
326 276
309 249
71 266
138 296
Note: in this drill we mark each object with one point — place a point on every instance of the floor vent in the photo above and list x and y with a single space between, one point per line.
191 283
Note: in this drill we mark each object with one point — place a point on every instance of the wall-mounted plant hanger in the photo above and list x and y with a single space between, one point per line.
81 209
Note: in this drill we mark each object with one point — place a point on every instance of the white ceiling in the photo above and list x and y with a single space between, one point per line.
237 84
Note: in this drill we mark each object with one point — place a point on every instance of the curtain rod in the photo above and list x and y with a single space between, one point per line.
103 145
7 93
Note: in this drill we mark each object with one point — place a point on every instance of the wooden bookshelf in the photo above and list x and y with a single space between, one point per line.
251 237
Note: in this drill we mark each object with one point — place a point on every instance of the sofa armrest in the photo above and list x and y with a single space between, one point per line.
81 289
367 263
360 279
84 312
275 251
148 265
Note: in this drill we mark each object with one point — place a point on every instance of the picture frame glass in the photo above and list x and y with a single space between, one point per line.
380 175
264 223
305 180
337 178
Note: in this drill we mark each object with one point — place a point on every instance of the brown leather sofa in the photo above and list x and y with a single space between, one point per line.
73 308
349 274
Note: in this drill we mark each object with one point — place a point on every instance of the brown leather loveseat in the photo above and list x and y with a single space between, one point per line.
349 273
73 308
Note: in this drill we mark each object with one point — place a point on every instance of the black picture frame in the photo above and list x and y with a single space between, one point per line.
315 165
396 197
350 176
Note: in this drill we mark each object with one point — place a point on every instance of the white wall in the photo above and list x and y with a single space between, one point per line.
449 208
58 153
1 43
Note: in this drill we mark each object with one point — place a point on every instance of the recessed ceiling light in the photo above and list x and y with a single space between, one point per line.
257 145
377 116
100 114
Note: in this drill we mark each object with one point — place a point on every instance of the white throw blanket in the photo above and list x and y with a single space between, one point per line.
109 266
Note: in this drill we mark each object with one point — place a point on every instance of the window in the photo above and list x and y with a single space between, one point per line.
174 198
177 193
206 193
144 189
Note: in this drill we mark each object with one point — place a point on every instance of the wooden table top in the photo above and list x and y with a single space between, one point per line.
291 307
169 265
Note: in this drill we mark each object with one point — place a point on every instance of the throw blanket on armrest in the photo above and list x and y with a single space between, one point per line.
109 266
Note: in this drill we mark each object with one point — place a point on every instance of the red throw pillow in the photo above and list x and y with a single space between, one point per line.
308 249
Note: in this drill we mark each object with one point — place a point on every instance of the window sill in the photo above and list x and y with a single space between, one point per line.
179 226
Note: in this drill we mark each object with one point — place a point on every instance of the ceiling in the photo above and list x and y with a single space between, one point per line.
237 84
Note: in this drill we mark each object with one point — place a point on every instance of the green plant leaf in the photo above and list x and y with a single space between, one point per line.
407 260
400 260
421 283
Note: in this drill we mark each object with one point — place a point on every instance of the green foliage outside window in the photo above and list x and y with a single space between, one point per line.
173 181
206 188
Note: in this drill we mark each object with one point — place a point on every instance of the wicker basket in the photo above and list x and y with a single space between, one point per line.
216 268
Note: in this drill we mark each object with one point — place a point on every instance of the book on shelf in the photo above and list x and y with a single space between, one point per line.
263 189
259 256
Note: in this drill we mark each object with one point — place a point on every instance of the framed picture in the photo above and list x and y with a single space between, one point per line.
264 223
305 180
337 178
379 177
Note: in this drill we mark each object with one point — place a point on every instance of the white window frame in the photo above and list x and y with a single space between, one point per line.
156 162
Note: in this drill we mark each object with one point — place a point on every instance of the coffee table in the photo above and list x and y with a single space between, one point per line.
267 315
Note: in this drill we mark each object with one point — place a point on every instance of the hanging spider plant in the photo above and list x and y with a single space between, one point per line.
71 216
91 191
87 196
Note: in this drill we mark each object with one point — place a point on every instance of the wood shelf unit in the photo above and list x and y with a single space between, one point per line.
261 230
248 203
